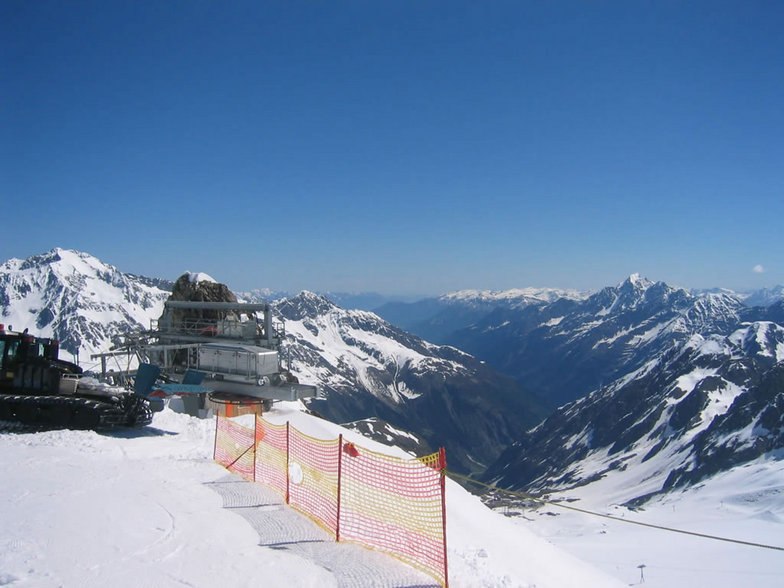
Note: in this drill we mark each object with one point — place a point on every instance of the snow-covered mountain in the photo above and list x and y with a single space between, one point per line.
566 349
349 301
699 408
765 296
370 368
435 319
260 295
78 299
513 298
635 345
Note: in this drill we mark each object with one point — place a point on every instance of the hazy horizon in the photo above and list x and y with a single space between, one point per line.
405 297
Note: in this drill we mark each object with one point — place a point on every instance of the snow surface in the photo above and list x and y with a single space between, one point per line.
151 508
340 346
746 503
515 295
196 277
147 508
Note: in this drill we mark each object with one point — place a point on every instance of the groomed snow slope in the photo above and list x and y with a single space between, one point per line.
745 504
138 508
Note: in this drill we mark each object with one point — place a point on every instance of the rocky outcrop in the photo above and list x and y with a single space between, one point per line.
197 287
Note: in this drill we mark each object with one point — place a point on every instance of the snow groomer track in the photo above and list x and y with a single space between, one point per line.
281 527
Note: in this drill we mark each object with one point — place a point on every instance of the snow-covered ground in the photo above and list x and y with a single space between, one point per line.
149 508
746 504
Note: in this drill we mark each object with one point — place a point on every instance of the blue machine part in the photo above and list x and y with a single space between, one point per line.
147 386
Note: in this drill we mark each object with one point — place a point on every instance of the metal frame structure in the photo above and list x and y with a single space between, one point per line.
233 357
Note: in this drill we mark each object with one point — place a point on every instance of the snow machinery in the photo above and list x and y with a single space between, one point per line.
37 388
221 350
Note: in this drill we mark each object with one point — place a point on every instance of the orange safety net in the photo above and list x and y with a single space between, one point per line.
387 503
271 455
394 505
313 478
234 447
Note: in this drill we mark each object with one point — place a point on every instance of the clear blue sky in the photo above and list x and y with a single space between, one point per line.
396 146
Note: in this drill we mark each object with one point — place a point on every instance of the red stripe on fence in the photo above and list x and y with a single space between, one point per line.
387 503
395 505
234 447
271 448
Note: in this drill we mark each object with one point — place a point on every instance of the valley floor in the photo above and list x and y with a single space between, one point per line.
746 504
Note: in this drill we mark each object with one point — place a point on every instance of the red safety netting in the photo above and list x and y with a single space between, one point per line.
386 503
395 505
234 447
271 455
313 478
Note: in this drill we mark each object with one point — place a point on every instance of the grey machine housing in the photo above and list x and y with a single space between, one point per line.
235 352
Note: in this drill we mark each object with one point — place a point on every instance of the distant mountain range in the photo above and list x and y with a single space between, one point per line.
658 384
436 319
361 301
697 408
370 370
566 349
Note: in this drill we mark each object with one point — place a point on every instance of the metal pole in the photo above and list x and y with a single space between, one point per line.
215 448
268 325
255 437
340 483
288 430
442 459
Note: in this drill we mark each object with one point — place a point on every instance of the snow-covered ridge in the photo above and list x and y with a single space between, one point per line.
367 367
356 344
514 295
701 407
566 349
196 277
76 298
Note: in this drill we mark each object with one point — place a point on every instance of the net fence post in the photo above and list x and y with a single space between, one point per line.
288 453
215 447
442 465
255 443
340 482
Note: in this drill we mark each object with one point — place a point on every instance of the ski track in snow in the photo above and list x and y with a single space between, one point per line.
149 508
280 527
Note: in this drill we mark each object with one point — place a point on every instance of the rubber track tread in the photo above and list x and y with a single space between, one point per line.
74 412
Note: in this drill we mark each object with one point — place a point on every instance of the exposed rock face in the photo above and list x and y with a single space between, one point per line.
191 287
370 369
700 408
76 298
564 350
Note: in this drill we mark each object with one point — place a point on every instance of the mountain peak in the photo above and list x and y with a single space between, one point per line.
304 304
196 277
636 281
76 298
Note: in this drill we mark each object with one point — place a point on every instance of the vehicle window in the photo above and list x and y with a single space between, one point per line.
9 359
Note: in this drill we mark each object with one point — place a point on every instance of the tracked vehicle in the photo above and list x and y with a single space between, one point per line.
38 388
